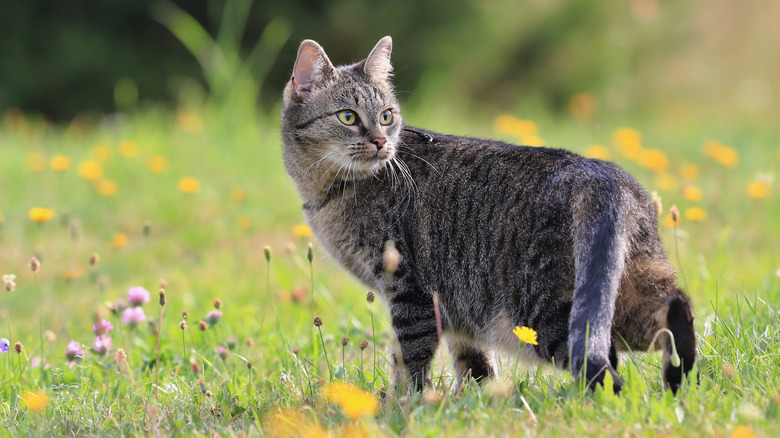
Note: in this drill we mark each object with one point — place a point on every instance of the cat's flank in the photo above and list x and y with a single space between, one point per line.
507 235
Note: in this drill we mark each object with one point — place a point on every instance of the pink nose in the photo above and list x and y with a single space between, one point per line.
379 142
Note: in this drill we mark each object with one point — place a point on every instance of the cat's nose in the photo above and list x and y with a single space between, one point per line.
379 142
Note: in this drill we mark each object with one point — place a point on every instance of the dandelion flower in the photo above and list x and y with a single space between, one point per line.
137 296
743 432
244 223
598 151
692 193
39 214
695 214
582 105
60 163
106 187
189 185
628 142
301 230
239 195
133 316
525 335
721 153
689 171
36 162
5 345
128 148
758 189
35 400
157 163
120 240
90 170
355 402
653 159
665 181
189 122
101 153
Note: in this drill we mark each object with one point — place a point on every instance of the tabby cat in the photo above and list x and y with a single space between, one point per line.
506 235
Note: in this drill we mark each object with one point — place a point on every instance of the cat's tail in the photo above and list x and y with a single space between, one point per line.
600 247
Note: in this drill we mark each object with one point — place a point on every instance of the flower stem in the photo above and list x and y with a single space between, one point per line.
325 350
157 359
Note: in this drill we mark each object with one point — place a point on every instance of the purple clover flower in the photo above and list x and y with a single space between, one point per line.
74 351
102 327
137 296
133 316
102 345
214 316
5 345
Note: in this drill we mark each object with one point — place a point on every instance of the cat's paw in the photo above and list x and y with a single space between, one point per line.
596 372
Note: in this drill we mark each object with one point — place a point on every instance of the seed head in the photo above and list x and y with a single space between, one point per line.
310 254
249 366
249 342
183 325
202 325
344 341
317 321
267 251
162 297
675 213
18 347
120 356
196 368
49 336
9 281
217 303
35 264
370 297
659 206
94 259
363 344
391 258
296 350
163 283
185 314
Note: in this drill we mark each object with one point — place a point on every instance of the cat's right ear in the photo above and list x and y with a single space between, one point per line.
312 67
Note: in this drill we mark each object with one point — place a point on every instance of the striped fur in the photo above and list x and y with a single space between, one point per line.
507 235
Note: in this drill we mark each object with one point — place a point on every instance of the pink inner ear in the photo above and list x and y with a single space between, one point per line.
378 65
308 70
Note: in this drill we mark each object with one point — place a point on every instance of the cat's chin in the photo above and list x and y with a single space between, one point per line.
369 166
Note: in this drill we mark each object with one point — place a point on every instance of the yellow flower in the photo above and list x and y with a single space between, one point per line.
36 162
128 148
120 240
695 214
239 195
301 230
90 170
742 432
352 400
157 163
72 275
60 162
692 193
653 159
532 140
36 400
689 171
628 142
582 105
525 334
39 214
526 130
288 423
189 122
107 187
244 223
598 151
189 185
758 189
101 153
665 181
721 153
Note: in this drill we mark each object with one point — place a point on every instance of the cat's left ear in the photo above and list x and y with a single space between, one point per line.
377 65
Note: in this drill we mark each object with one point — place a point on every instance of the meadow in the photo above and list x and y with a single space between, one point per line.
195 201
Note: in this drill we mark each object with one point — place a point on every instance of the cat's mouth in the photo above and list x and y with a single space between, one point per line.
370 161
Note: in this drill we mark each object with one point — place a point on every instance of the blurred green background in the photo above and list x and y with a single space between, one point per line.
680 61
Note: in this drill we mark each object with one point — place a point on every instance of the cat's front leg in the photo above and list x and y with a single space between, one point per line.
414 324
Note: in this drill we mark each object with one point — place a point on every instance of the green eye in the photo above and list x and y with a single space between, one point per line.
386 117
347 117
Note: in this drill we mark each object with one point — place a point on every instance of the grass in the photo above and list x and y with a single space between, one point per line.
209 245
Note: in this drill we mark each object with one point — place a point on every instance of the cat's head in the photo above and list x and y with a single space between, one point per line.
347 117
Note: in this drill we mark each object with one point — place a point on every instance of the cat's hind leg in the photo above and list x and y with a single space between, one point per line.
470 361
414 324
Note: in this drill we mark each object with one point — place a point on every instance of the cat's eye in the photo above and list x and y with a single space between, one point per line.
347 117
386 117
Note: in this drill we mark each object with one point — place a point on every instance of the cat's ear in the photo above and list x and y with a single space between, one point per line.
377 66
312 67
